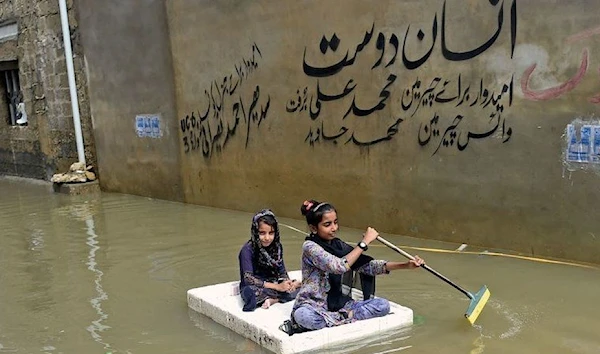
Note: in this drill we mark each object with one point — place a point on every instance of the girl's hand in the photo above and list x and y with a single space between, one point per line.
284 286
295 285
415 263
370 235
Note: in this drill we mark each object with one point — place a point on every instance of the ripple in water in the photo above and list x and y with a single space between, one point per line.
97 326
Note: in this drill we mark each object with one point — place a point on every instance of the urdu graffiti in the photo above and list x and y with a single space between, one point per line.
483 103
487 101
209 130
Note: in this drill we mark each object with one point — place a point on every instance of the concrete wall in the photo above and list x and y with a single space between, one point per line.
439 128
130 74
46 145
435 119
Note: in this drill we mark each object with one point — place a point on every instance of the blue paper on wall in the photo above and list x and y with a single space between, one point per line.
579 145
147 126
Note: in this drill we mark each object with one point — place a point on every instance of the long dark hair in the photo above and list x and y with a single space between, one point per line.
313 211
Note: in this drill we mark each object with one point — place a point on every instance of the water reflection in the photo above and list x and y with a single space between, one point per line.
82 212
97 326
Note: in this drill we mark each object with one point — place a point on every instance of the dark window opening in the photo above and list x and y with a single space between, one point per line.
13 98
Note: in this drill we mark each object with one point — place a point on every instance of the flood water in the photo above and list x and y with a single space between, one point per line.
109 273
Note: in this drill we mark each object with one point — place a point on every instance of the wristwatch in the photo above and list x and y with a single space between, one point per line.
363 246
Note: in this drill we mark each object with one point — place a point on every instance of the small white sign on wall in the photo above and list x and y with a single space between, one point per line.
148 126
595 153
583 145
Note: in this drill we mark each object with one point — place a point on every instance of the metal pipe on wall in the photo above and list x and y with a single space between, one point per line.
64 19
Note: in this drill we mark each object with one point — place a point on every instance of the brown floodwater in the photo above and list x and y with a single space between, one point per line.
109 273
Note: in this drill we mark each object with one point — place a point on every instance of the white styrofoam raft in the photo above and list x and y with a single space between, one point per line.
222 303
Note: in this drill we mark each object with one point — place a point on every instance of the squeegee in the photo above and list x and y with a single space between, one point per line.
478 300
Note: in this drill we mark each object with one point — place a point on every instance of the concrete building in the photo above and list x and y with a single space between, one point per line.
458 120
34 87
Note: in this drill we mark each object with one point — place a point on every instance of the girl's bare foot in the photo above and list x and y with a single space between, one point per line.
269 302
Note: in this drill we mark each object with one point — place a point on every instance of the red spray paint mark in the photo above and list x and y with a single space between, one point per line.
557 91
590 32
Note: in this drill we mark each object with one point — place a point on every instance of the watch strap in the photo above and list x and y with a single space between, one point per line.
362 245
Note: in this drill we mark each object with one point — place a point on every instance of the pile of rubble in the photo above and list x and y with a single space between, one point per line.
78 173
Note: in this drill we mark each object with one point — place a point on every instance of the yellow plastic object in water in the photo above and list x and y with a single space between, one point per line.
478 301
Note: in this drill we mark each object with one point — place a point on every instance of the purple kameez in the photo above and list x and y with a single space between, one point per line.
310 310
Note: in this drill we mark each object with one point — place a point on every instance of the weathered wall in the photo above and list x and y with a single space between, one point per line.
130 74
47 144
436 119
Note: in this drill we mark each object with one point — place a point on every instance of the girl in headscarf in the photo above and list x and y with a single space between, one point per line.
264 278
